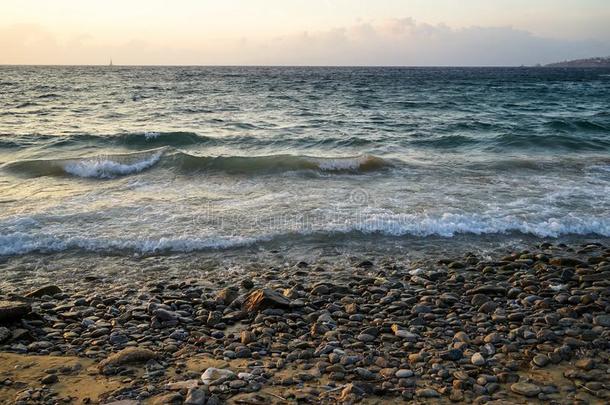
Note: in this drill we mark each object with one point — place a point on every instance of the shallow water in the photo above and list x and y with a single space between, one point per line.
175 159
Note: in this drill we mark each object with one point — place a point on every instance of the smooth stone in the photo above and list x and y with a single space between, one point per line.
602 320
526 389
13 311
212 374
5 334
164 315
179 334
128 355
42 291
404 373
488 307
118 338
421 309
237 384
585 364
49 379
195 396
365 338
541 360
477 359
427 393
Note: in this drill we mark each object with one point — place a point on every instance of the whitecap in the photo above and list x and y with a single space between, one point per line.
105 168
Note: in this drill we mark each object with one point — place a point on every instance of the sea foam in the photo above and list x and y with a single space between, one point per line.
104 168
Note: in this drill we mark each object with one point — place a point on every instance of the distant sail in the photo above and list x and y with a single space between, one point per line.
110 62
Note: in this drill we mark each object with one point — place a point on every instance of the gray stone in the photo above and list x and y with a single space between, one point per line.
164 315
477 359
526 389
602 320
5 334
195 396
404 373
427 393
541 360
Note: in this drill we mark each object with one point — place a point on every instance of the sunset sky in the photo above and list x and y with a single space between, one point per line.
303 32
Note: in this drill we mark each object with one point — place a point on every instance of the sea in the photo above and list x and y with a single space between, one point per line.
230 160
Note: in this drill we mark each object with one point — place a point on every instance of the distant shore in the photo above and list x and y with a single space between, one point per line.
525 327
583 63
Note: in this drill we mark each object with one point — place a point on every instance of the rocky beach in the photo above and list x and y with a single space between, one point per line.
529 326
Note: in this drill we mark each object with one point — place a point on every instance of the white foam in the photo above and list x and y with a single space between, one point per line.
151 135
25 236
107 168
21 243
342 163
450 224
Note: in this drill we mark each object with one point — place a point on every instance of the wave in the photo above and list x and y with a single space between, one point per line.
102 167
276 163
448 225
110 166
22 243
451 224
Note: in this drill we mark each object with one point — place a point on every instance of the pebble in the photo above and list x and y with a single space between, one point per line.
477 359
526 389
212 374
426 393
541 360
404 373
49 379
466 332
195 396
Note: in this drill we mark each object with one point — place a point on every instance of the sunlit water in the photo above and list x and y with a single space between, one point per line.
169 159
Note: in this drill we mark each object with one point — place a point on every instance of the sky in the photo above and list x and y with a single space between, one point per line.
303 32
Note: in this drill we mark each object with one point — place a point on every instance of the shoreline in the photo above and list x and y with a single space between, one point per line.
528 327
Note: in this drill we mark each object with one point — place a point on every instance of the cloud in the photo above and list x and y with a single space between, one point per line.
399 41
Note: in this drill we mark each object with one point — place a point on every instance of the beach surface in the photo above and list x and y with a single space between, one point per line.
527 326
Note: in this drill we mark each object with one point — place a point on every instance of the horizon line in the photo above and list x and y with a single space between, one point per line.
114 65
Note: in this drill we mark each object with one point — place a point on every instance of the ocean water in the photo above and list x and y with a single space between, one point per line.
127 160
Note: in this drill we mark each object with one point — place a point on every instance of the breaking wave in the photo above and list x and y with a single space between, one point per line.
110 166
447 226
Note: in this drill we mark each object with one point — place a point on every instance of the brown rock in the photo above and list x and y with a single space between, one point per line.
13 311
46 290
246 337
263 299
585 364
128 356
227 295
